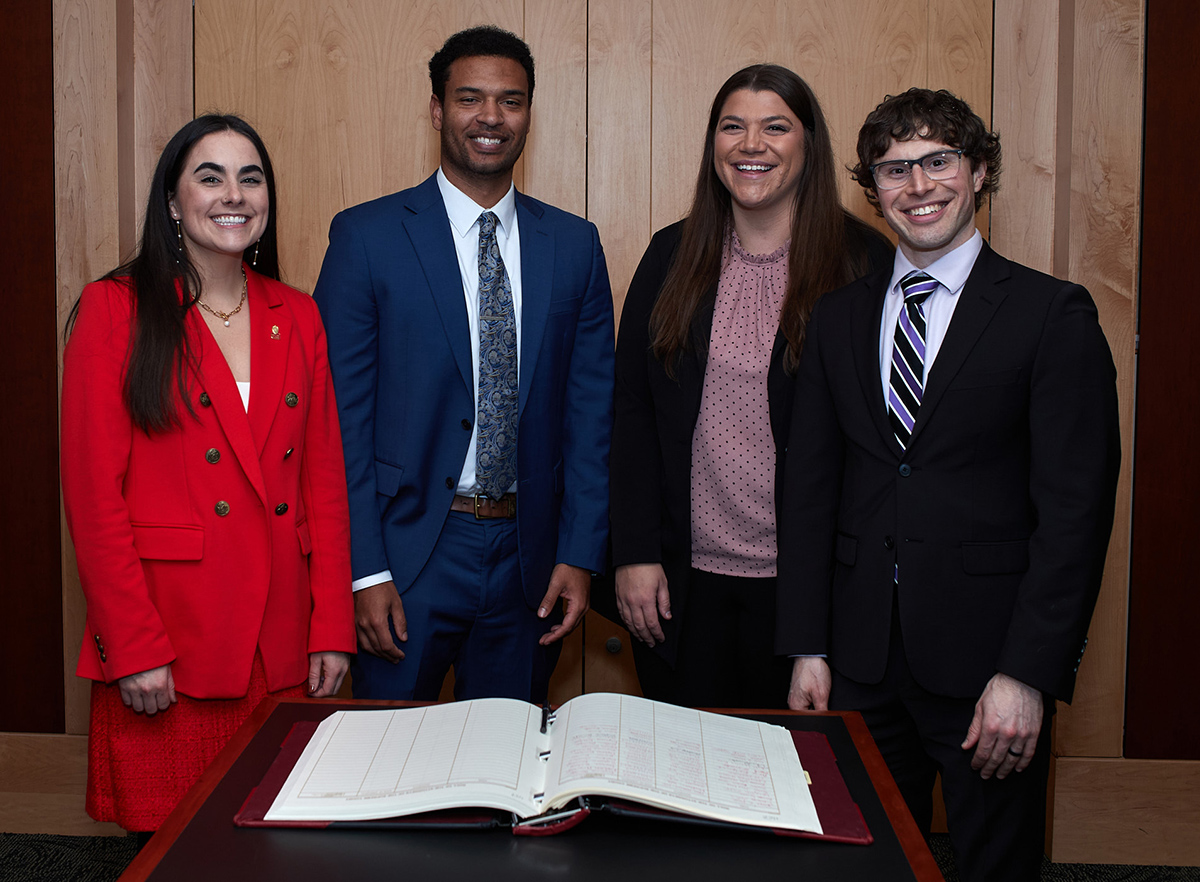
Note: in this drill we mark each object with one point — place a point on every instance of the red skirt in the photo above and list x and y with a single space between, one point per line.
140 767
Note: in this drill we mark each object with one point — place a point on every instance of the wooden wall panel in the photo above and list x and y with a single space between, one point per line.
619 168
1120 811
86 226
1105 180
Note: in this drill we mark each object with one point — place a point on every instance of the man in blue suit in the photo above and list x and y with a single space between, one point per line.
478 497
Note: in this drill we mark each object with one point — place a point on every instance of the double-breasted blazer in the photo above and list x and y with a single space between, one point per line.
655 418
995 519
391 294
199 543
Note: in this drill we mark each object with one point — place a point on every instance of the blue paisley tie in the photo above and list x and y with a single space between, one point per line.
496 450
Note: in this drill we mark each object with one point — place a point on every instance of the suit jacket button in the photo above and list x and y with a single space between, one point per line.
889 543
221 508
97 636
205 401
288 452
103 657
449 483
466 424
281 508
213 455
905 470
291 399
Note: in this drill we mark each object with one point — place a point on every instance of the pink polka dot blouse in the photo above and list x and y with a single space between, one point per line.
733 452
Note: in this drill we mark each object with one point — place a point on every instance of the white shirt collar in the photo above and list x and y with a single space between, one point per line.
463 211
951 270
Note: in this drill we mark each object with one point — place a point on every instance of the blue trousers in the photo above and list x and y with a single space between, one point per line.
466 610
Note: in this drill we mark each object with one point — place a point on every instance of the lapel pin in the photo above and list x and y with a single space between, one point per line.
275 332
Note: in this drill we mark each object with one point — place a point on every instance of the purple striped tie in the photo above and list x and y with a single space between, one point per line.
907 383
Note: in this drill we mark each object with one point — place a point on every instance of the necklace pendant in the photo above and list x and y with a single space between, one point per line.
227 323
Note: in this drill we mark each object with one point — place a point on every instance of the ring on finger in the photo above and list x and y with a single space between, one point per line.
1014 752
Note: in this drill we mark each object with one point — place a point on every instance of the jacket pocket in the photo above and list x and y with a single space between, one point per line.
305 539
992 558
387 478
168 541
845 549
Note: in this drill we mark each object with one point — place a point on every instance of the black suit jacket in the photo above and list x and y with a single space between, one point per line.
997 515
655 416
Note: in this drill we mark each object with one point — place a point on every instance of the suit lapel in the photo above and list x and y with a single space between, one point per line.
214 377
537 285
270 343
978 302
866 315
429 230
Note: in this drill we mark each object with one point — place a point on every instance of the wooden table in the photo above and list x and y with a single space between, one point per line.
200 842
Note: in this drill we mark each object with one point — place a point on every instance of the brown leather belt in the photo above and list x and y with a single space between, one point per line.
486 507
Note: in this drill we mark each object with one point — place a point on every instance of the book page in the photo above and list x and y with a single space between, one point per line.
699 763
369 764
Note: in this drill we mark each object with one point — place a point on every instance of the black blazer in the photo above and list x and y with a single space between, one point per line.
655 416
998 514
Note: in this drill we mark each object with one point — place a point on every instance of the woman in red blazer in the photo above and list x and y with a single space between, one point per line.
203 480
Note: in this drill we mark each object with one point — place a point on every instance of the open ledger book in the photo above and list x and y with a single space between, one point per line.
492 753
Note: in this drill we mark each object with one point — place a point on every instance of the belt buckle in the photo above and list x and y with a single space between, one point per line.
476 497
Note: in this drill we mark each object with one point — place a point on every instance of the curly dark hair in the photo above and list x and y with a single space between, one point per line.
485 40
935 116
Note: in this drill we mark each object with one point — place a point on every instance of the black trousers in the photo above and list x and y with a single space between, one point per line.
726 648
997 827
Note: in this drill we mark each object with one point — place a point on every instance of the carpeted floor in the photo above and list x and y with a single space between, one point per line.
31 858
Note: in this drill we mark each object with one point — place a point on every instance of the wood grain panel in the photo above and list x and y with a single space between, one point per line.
1123 811
1029 208
619 167
85 184
45 777
556 152
226 59
1105 181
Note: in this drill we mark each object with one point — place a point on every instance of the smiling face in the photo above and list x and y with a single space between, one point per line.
758 153
483 121
221 199
932 218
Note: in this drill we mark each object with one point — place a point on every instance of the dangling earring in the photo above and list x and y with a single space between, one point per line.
254 260
179 233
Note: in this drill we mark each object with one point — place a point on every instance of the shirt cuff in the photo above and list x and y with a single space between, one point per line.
368 581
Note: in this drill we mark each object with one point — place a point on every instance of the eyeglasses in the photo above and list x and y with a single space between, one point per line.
937 167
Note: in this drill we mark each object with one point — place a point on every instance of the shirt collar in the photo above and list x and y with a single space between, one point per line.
951 270
463 211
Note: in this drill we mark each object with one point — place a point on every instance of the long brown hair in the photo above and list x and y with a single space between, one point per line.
819 259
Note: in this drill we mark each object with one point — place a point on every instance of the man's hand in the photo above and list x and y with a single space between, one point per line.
642 597
372 608
149 691
811 681
326 670
1004 731
573 585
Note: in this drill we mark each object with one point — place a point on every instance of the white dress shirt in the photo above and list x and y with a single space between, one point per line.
464 213
951 271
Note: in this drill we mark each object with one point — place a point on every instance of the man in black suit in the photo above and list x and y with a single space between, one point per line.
949 493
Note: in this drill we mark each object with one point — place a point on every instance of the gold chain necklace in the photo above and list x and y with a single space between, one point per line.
226 316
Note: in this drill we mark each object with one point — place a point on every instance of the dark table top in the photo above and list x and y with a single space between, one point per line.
200 842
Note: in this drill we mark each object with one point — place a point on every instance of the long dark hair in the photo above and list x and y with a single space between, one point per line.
819 259
160 271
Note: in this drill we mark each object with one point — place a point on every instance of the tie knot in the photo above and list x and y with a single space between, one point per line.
487 224
917 286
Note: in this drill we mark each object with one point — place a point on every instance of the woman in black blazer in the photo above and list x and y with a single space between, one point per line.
716 312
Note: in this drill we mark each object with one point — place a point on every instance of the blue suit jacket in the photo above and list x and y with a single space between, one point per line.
391 296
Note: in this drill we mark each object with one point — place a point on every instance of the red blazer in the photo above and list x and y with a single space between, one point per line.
198 544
